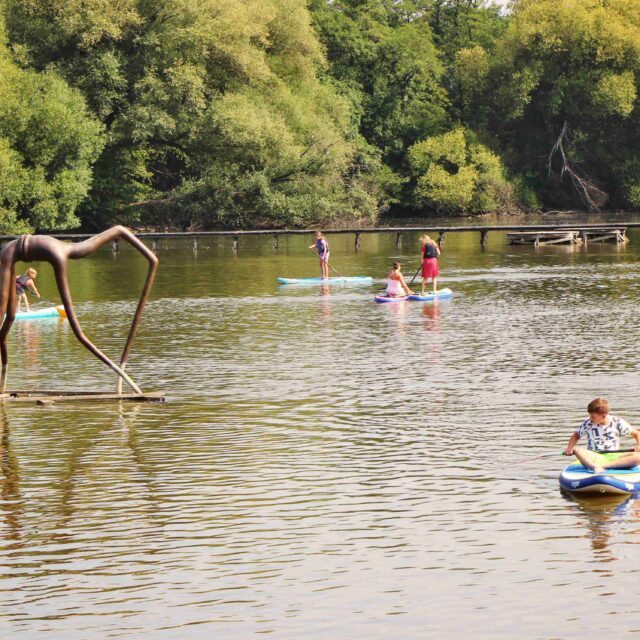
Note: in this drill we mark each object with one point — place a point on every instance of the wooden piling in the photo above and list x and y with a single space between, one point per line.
398 240
115 246
357 244
483 238
276 242
234 246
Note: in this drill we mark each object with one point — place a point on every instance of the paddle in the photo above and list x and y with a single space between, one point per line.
53 304
562 453
330 267
415 274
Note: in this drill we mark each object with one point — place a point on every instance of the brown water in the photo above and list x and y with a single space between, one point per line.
325 467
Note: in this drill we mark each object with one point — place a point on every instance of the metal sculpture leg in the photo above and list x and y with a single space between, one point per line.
58 254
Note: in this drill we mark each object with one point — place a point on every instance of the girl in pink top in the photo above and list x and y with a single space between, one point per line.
396 286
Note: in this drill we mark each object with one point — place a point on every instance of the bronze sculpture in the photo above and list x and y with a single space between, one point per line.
57 253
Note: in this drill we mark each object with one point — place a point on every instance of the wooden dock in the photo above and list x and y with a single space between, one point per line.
588 232
569 236
542 238
53 397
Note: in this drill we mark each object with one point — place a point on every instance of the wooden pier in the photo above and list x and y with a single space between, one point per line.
541 238
587 232
569 236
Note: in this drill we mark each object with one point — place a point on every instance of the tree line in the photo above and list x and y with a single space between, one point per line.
210 113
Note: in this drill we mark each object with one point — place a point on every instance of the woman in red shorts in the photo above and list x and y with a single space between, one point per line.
430 253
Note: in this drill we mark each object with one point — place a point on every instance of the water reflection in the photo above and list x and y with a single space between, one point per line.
604 518
75 471
431 316
11 503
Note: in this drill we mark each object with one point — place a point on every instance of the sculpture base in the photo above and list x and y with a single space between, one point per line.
53 397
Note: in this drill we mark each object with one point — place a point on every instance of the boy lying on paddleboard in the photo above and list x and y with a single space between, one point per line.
603 432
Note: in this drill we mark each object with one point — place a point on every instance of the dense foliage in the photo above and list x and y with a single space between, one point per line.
294 112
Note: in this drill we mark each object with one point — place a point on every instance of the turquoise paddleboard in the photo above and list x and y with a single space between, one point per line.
345 280
49 312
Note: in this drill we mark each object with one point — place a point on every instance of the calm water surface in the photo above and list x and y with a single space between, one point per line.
325 467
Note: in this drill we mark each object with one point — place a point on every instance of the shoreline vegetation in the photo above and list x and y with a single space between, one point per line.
310 113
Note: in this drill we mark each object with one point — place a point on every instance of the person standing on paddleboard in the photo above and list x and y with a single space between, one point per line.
24 282
603 432
321 248
430 252
396 286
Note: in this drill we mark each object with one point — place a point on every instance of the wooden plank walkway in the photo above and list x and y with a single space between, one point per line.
542 238
358 232
568 236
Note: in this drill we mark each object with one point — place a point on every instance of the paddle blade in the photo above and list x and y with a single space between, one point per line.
60 309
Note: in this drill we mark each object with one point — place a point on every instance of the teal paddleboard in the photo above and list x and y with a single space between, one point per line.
345 280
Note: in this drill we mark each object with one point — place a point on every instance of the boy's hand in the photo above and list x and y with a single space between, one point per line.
568 451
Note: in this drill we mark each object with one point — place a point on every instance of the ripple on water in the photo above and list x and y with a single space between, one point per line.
327 467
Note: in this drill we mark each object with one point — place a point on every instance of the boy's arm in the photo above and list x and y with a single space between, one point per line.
635 434
32 286
573 441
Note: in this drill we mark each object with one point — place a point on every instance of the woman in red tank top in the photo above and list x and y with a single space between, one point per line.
430 252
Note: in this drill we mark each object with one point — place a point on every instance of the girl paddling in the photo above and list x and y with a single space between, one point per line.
321 247
396 286
430 252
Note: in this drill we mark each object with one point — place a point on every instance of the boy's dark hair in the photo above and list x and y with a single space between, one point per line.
599 405
396 265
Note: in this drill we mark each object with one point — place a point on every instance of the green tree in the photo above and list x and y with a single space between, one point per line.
215 111
48 141
455 174
562 90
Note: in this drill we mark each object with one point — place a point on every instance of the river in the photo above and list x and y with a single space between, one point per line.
324 467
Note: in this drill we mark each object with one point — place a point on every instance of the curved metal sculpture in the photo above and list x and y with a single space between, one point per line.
57 253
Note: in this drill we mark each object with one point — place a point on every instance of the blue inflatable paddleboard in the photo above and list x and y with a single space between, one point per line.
578 479
428 297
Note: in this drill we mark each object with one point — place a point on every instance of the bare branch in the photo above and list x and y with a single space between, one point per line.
589 193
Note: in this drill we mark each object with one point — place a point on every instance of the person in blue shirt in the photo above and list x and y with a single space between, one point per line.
321 249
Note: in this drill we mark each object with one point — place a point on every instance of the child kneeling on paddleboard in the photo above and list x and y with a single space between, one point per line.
396 286
603 432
